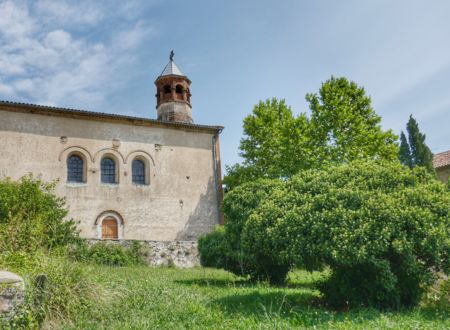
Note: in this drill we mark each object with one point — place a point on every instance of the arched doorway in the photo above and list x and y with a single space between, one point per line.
110 228
109 225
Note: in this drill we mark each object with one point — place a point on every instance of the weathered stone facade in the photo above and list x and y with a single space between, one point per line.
180 201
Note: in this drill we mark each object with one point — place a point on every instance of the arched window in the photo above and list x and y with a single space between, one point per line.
138 171
110 229
108 170
75 169
179 89
167 89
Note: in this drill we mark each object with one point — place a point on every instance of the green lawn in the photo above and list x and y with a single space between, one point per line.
168 298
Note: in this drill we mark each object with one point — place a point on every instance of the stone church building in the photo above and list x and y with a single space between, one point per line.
123 177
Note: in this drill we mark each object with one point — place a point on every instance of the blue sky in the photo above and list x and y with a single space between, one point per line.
104 56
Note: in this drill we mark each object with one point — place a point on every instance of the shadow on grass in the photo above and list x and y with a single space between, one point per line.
244 283
219 283
257 302
298 308
297 303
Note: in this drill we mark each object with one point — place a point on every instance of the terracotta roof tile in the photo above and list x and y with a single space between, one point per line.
442 159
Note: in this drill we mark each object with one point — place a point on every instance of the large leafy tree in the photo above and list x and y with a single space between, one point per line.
413 151
274 144
343 127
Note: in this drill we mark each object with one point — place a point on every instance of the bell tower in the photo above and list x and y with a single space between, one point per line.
173 98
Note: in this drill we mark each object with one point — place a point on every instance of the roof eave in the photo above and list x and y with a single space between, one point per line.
100 116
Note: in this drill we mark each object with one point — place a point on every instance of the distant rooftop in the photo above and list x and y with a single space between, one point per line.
442 159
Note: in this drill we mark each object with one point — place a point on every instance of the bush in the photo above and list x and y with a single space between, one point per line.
222 248
109 254
382 229
32 217
213 249
437 296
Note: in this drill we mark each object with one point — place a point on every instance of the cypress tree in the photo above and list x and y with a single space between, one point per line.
405 153
415 152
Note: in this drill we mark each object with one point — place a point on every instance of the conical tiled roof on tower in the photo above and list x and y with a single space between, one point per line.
171 69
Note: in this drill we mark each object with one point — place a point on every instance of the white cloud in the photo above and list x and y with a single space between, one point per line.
57 39
70 13
14 22
132 37
44 60
6 90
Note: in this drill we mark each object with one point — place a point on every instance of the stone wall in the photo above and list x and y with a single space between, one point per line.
181 254
180 201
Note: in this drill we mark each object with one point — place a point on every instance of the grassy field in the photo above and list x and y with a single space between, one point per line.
167 298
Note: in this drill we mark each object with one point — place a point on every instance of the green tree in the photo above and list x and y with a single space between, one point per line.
404 153
274 144
222 248
343 127
32 217
415 152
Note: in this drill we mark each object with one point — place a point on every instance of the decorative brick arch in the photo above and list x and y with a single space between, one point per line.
111 151
63 154
142 153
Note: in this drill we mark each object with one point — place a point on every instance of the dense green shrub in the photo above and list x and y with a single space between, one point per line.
110 254
381 228
222 248
437 295
32 217
213 249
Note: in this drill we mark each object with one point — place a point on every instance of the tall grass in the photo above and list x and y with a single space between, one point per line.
56 288
201 298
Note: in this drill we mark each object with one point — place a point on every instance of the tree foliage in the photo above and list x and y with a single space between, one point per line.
274 144
32 217
343 127
414 152
404 153
382 229
222 248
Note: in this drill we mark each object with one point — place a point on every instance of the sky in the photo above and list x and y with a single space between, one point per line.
105 55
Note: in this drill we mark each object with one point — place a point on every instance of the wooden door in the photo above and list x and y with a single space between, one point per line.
109 229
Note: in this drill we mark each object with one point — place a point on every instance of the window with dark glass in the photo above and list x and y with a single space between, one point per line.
75 169
108 169
138 171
